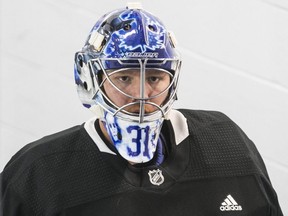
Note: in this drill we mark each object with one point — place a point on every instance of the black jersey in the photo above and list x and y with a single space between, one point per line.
211 168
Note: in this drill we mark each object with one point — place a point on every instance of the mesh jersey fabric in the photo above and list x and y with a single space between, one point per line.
66 174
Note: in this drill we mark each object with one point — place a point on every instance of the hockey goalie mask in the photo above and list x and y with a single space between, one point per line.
127 73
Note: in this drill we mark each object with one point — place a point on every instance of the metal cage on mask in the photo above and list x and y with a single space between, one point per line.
103 69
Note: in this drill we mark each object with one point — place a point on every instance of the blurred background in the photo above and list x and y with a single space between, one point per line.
234 60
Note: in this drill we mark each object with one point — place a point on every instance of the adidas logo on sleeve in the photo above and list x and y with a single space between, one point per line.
230 204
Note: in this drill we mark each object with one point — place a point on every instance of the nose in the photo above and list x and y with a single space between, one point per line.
141 91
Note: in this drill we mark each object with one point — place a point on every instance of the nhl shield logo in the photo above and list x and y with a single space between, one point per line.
156 177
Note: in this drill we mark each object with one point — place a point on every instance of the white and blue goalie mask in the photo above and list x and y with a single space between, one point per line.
124 41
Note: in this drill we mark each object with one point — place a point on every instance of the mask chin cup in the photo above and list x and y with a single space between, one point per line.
136 142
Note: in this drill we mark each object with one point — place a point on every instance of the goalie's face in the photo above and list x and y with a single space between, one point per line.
135 91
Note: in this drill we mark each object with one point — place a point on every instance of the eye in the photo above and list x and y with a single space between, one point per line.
153 79
124 79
